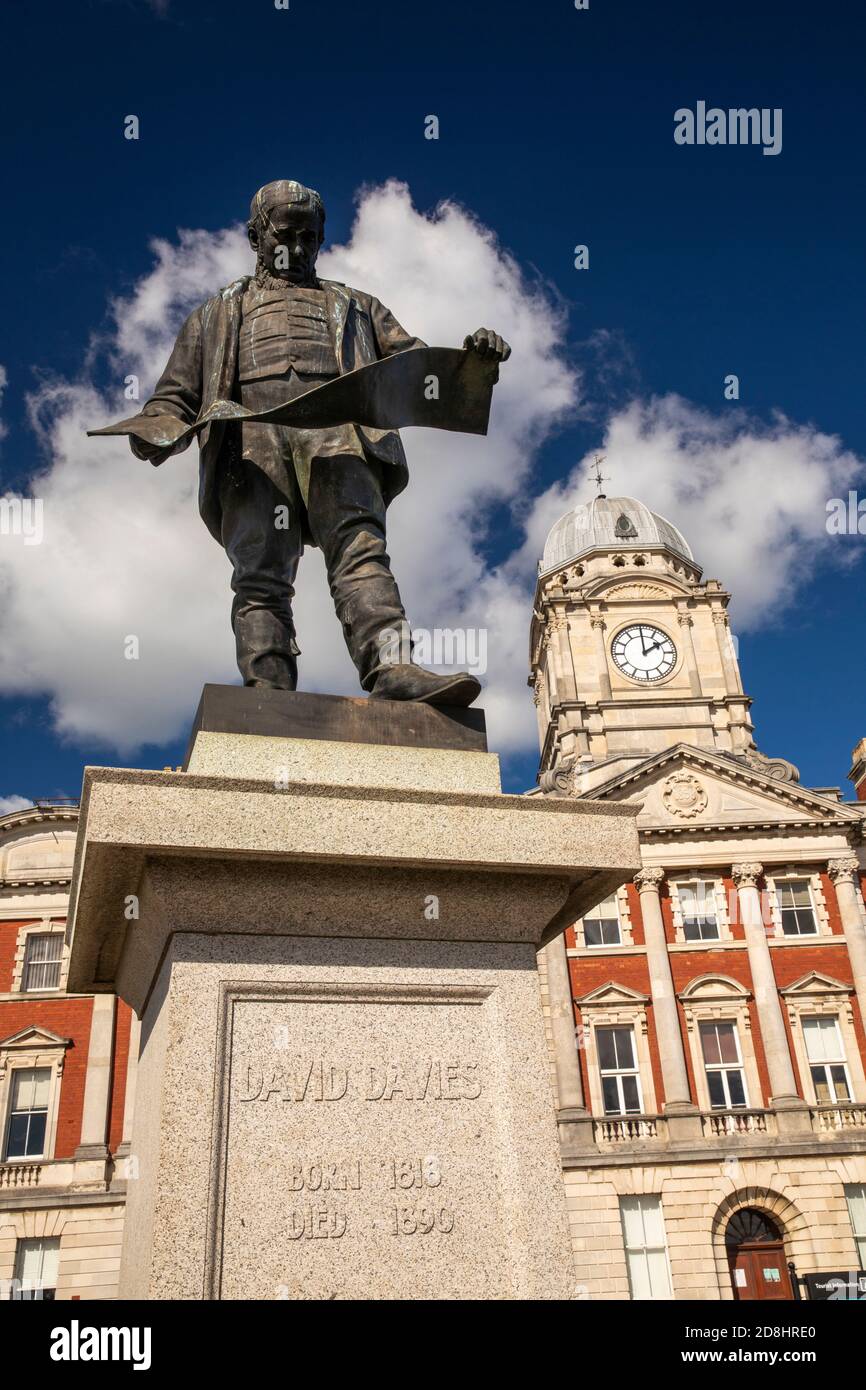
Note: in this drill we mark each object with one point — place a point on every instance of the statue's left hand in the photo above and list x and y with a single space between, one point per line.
488 344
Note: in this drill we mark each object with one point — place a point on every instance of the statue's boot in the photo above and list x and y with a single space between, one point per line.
411 682
266 649
379 641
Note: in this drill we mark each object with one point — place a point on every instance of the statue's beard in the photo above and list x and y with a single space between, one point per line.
267 280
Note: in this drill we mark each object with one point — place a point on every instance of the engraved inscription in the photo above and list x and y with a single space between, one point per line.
319 1079
361 1147
320 1222
327 1177
328 1221
414 1172
412 1221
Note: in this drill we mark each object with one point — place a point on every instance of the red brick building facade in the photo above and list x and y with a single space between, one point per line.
707 1022
64 1103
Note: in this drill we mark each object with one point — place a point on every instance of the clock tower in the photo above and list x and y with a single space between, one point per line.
631 650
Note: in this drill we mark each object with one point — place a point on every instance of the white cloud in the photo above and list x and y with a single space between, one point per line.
749 496
125 553
4 379
13 803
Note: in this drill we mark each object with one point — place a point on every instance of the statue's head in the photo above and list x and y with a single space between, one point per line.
286 229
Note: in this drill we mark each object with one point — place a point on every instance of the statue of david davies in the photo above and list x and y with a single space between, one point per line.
263 341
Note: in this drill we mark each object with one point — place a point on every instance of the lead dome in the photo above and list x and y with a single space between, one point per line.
610 523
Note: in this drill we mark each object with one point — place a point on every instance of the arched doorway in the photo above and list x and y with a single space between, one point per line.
756 1256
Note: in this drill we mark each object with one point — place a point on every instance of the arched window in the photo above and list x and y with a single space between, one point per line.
749 1224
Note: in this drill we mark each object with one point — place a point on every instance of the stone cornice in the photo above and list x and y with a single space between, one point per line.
36 815
740 827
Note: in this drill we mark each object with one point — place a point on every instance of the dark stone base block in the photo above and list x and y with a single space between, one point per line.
238 709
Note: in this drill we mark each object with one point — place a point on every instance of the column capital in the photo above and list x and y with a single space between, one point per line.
839 870
597 620
685 620
649 880
746 875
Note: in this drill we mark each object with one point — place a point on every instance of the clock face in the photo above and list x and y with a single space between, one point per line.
644 652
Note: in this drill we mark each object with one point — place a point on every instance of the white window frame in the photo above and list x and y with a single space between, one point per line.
31 1049
56 938
855 1193
615 1005
720 999
19 1288
642 1200
724 1067
620 897
17 1074
717 890
43 927
821 917
840 1061
619 1072
816 994
603 945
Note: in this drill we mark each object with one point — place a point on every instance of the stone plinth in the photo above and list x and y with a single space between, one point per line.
343 1086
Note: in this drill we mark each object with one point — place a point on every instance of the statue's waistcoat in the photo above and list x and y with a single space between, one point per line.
215 333
285 329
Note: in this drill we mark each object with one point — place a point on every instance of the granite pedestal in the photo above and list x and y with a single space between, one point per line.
343 1087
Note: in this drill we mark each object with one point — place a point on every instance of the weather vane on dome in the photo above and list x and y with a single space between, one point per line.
597 476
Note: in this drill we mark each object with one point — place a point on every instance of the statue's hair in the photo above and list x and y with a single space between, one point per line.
283 191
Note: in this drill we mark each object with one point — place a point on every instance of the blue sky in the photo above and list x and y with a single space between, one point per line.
555 129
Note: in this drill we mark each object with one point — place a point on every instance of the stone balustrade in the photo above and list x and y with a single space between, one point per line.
720 1124
612 1131
827 1119
628 1129
19 1175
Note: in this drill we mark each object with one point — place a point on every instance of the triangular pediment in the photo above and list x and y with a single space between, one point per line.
612 994
816 982
685 787
33 1036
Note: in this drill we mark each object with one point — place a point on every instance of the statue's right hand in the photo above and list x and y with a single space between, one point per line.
152 453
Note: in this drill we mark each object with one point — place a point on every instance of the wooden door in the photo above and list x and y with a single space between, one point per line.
760 1271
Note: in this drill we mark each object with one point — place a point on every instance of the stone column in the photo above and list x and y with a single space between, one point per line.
124 1148
678 1100
554 671
686 623
843 873
599 627
566 660
539 699
97 1084
783 1085
573 1118
733 683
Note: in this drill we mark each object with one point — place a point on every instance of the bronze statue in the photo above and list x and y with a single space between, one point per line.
267 489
